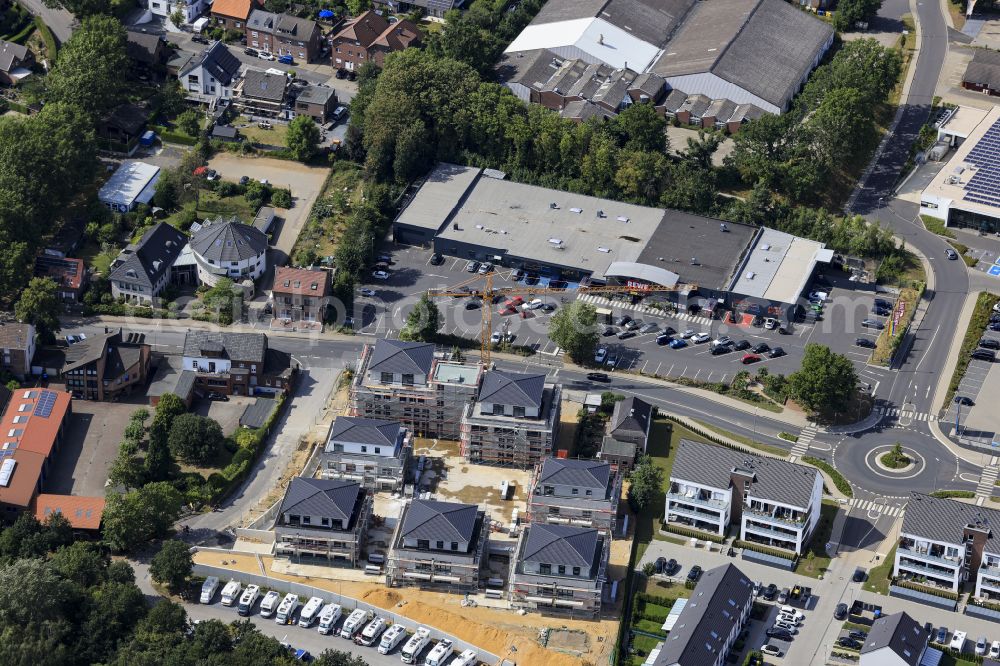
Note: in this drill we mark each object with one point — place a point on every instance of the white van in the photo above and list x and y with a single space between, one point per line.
440 654
310 613
414 646
269 604
371 632
392 637
328 618
248 599
467 658
354 622
208 589
287 609
231 592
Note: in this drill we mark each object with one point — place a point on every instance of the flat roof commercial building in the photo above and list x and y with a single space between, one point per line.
132 184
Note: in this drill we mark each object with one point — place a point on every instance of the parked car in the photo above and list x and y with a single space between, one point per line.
472 267
701 338
981 645
251 52
264 55
601 355
818 295
198 39
770 592
859 575
858 635
517 275
660 565
749 358
984 355
678 343
989 343
626 334
840 612
694 574
741 345
760 348
770 650
880 312
723 341
663 338
951 254
671 567
995 326
776 352
794 612
633 325
437 259
942 635
608 331
849 643
651 327
367 292
787 626
689 333
598 377
789 619
780 634
341 73
872 323
964 400
485 268
957 641
612 361
865 342
623 320
770 323
783 595
721 349
380 275
995 650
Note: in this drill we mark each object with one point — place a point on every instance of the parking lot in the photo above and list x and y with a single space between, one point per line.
412 274
979 421
93 434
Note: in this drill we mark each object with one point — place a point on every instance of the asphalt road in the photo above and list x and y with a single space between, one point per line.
60 21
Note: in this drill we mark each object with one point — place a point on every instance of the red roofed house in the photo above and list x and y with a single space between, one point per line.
68 273
232 14
370 37
31 431
83 513
300 294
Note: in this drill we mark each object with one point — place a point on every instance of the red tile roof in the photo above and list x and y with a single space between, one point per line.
24 481
29 429
301 281
83 513
67 272
398 36
365 29
233 8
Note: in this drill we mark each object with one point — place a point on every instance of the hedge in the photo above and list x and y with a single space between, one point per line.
964 494
122 310
977 326
171 136
838 479
22 37
767 550
946 594
50 40
697 534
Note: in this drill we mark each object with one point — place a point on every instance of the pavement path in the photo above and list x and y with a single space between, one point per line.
60 21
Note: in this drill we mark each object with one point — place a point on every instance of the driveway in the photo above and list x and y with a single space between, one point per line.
226 412
95 430
305 182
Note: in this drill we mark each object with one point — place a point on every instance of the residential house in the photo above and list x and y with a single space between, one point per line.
284 34
582 493
373 452
301 294
260 93
370 38
405 382
228 249
317 102
142 270
69 274
34 428
85 514
434 8
16 62
323 518
514 420
148 51
106 366
945 543
132 184
897 640
439 544
210 76
232 14
711 620
627 433
560 568
189 9
119 130
771 501
982 74
17 342
236 363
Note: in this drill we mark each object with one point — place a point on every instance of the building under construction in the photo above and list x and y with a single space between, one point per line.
409 383
514 422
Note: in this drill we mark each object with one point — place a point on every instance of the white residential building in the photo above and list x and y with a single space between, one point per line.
191 9
777 503
229 249
210 76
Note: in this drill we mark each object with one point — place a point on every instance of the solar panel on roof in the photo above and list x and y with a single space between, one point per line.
45 404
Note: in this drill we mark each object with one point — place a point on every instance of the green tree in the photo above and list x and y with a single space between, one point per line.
850 12
867 66
841 127
645 484
423 322
189 122
88 71
195 439
172 565
169 407
356 7
331 657
118 607
39 305
132 519
127 471
574 329
302 138
825 381
641 128
82 563
642 176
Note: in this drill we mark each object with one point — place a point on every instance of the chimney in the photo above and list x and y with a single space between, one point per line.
600 39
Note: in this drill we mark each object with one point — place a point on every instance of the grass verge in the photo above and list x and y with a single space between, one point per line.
891 337
977 325
838 479
747 441
878 577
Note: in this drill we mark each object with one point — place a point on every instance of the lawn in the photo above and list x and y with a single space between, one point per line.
343 189
977 326
889 339
94 257
878 578
815 561
746 441
211 205
276 136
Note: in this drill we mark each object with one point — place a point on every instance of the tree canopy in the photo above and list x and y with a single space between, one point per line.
825 381
645 484
40 306
302 138
88 71
423 322
195 439
574 329
172 564
136 517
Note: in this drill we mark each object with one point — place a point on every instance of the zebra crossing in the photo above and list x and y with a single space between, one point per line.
896 412
875 507
806 436
644 309
987 481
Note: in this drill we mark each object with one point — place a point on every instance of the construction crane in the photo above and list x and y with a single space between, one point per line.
488 293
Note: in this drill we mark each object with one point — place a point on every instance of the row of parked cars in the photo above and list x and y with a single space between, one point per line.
988 347
361 625
982 647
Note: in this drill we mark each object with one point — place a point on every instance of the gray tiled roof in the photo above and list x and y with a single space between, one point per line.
561 544
235 346
439 521
901 634
513 388
87 351
652 21
708 618
675 99
315 95
261 85
631 415
255 415
774 479
9 51
944 520
332 498
359 430
614 447
151 256
228 240
581 109
218 61
400 357
984 68
261 20
577 473
300 28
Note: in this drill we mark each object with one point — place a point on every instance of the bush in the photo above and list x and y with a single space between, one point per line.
843 485
977 326
281 198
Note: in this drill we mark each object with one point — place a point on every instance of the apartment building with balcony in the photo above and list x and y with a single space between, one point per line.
582 493
236 363
407 382
439 544
372 452
323 518
771 501
945 543
514 421
560 568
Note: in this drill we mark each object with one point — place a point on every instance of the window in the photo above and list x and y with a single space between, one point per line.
590 493
454 545
576 571
253 32
544 568
519 412
423 543
408 380
378 449
440 545
386 377
562 569
364 449
576 491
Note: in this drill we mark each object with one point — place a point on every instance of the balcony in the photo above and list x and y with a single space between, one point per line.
952 563
715 505
680 510
766 531
776 520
